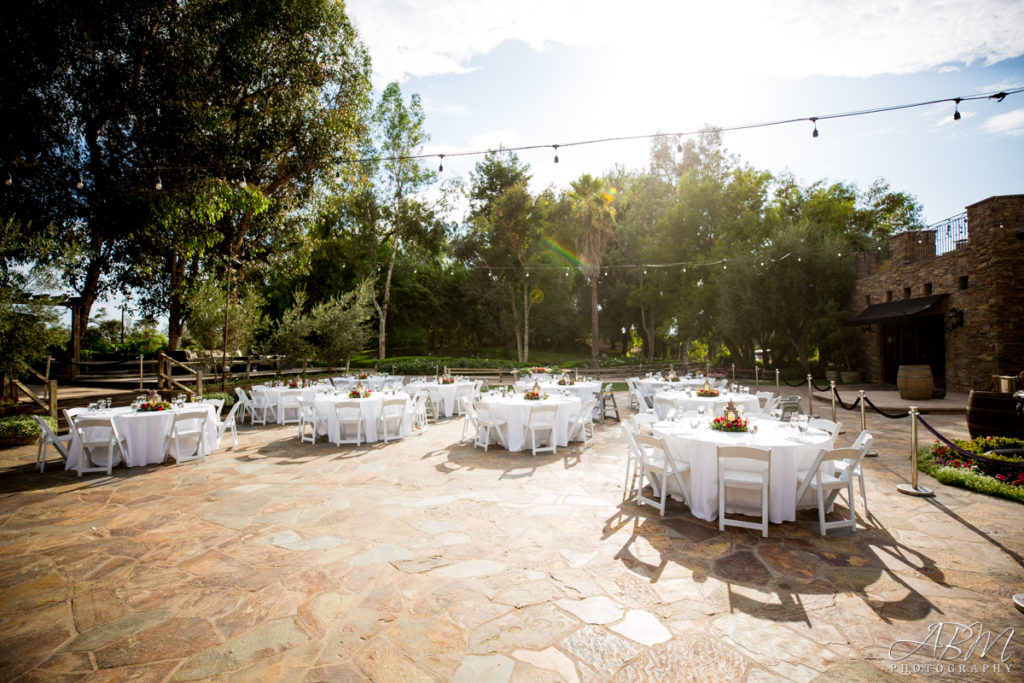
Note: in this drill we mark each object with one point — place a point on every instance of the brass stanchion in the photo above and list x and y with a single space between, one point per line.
777 392
757 376
832 386
734 373
912 489
810 394
864 421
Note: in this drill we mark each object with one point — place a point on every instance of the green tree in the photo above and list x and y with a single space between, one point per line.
340 324
591 201
206 313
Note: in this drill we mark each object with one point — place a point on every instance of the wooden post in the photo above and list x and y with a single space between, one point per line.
199 382
52 397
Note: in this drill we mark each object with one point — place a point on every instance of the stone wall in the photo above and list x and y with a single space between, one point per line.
984 278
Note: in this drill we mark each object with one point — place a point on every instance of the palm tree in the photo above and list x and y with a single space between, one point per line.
591 206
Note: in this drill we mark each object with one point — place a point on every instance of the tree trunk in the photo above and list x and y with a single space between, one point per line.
649 328
86 299
176 306
526 323
517 330
594 334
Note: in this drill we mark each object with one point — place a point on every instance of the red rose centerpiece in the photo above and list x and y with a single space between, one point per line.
721 424
534 395
705 392
154 406
356 393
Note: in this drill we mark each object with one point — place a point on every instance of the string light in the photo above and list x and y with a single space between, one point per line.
679 144
159 182
556 153
956 109
440 167
79 184
10 180
814 120
243 184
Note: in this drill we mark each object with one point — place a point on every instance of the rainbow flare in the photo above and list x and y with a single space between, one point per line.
569 256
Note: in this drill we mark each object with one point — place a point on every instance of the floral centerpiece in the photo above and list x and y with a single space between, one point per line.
363 375
292 384
447 379
154 406
705 392
535 395
566 380
356 393
721 424
539 369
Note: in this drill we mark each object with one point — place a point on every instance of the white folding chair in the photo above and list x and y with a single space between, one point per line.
657 468
643 419
471 421
350 414
581 425
488 422
189 424
50 438
763 398
246 405
829 426
307 417
824 475
218 405
97 432
542 420
462 392
863 442
435 404
743 467
419 410
392 414
633 457
636 397
228 423
664 407
290 411
261 405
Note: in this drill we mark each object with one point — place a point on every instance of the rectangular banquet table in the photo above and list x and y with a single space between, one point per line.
515 410
790 451
145 434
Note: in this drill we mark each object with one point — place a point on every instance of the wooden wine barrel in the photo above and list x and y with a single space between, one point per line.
915 382
992 414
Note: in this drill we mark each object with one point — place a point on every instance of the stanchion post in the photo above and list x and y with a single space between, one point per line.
864 421
810 389
832 386
757 376
912 489
734 373
777 391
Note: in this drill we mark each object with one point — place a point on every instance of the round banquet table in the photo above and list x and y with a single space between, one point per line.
790 451
584 391
326 406
682 401
448 392
515 410
372 382
145 434
649 386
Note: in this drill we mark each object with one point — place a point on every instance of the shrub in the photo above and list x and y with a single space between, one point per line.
23 425
229 399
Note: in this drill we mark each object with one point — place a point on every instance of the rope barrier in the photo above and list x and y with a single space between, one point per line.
798 383
817 388
881 412
839 400
967 454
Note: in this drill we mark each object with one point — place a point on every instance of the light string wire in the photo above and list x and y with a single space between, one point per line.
998 96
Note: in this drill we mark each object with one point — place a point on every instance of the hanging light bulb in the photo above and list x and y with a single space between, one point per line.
679 144
684 269
337 175
956 110
243 184
10 180
440 167
159 183
556 153
567 272
79 184
814 120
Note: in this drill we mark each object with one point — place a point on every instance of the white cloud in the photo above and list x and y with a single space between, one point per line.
1010 123
793 40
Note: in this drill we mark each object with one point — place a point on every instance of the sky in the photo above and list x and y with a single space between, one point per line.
535 72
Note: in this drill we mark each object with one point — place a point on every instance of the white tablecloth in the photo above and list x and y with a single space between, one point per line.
790 451
584 391
449 392
274 395
682 401
515 410
327 408
651 385
372 382
145 434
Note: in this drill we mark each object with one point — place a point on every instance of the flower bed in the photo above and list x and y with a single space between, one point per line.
720 424
990 476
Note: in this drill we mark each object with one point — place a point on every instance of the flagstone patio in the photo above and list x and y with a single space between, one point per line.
429 560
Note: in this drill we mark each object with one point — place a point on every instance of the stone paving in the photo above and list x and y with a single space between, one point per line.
426 559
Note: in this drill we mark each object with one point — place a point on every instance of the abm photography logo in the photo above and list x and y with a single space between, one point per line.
950 647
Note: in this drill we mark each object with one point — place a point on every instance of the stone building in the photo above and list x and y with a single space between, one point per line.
950 296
